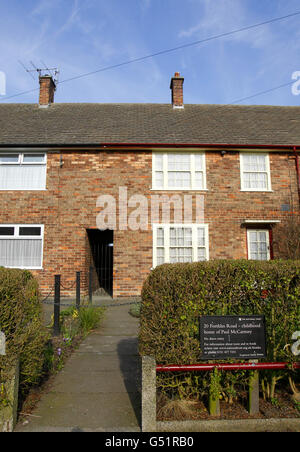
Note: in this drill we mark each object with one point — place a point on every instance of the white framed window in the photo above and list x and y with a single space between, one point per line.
23 170
178 171
174 243
21 246
255 172
258 244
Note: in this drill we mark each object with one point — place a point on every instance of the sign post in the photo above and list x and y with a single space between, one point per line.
2 344
253 394
234 337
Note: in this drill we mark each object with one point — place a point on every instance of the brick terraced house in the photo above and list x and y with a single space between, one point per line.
57 159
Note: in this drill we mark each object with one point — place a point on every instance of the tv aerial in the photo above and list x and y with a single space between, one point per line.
42 71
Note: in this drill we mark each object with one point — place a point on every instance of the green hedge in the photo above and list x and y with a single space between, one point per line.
21 321
174 296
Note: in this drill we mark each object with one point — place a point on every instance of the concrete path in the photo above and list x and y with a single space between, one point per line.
99 388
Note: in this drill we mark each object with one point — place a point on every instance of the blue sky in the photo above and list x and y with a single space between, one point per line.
80 36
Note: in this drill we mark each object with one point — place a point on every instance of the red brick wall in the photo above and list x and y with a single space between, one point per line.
177 90
47 90
68 207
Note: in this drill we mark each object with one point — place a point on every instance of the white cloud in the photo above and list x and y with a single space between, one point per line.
219 17
249 61
78 38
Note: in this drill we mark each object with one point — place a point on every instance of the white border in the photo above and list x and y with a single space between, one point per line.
16 236
22 163
268 242
268 171
166 246
192 171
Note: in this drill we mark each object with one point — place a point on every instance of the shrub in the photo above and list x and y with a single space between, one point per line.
286 238
89 318
174 296
21 322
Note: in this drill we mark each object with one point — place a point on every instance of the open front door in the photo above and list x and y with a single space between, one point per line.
101 247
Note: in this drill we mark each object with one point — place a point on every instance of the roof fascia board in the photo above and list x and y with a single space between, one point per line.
24 149
159 147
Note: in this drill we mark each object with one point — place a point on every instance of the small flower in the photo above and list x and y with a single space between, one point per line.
75 314
59 351
67 340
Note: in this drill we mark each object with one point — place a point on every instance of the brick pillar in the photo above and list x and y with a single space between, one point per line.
148 394
177 90
47 90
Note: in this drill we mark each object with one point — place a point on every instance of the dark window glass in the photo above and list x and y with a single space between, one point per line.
30 231
6 230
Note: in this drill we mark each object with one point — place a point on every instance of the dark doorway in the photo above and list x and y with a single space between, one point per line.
101 246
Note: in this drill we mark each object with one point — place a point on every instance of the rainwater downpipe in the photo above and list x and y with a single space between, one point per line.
297 170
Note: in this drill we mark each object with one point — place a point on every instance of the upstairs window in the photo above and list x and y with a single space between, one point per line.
23 171
178 171
255 172
21 246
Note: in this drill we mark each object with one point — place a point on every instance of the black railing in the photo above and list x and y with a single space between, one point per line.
95 286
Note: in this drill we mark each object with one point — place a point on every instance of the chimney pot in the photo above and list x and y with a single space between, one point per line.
176 87
47 90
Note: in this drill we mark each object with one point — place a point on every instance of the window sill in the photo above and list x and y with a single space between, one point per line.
25 268
257 191
179 189
23 189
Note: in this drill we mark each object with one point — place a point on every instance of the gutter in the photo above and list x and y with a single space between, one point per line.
213 146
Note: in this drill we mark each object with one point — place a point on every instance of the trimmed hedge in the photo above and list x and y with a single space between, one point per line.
174 296
21 321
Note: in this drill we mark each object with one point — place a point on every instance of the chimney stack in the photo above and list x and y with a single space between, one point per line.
47 90
177 90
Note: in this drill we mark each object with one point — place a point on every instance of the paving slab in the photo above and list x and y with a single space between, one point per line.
99 388
86 410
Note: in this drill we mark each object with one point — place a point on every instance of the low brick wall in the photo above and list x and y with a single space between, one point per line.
148 394
228 426
9 406
150 424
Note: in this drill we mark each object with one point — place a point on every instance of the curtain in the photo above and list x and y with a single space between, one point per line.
23 177
21 253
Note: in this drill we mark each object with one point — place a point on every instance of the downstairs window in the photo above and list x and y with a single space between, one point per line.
259 244
21 246
174 243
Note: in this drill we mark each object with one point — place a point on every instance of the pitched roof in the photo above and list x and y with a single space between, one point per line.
87 124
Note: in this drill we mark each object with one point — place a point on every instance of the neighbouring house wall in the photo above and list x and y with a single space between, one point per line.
68 208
